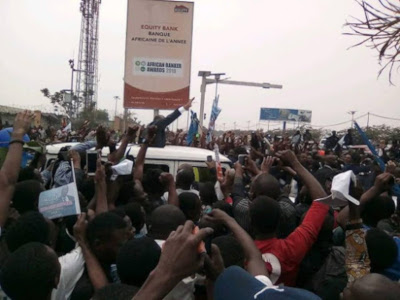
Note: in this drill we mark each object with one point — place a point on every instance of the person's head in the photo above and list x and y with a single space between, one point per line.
106 233
120 211
164 220
116 291
265 185
226 207
378 208
334 133
264 215
371 287
382 249
30 227
26 196
136 259
151 182
231 251
190 205
158 118
297 132
347 159
331 160
185 178
207 193
31 272
137 215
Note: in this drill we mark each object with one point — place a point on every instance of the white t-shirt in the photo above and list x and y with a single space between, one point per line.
72 266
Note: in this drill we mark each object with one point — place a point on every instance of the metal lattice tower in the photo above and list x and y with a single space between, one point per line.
87 77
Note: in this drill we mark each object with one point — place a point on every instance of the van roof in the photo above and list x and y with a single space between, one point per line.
178 153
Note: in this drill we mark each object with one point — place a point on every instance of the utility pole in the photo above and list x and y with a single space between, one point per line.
205 81
248 125
116 98
368 122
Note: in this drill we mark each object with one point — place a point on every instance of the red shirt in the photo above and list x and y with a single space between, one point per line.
283 256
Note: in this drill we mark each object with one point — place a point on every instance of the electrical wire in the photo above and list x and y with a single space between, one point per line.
388 118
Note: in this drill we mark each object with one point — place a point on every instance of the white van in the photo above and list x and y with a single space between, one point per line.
167 159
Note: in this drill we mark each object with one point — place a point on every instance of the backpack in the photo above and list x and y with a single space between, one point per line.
331 278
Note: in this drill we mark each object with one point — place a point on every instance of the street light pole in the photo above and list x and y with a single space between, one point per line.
217 80
116 98
352 112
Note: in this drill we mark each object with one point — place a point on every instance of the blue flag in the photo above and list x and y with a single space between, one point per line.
381 163
215 111
193 129
367 142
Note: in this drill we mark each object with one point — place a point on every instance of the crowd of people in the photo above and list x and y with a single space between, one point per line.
266 230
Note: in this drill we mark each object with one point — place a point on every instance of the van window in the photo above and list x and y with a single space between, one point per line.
164 168
203 174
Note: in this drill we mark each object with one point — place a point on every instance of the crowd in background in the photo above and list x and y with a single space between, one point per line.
262 231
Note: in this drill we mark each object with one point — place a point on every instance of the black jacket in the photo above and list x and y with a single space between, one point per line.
160 138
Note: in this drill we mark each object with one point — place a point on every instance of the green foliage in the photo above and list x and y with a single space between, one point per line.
95 116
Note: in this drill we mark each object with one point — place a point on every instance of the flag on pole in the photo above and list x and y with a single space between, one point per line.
67 128
215 111
193 129
60 202
367 142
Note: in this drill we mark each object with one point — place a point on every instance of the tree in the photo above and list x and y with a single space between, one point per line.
61 99
380 29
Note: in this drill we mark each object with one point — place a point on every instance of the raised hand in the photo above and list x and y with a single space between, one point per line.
217 216
151 133
22 123
101 137
76 158
131 133
167 179
287 157
267 164
180 257
384 181
188 105
100 175
80 229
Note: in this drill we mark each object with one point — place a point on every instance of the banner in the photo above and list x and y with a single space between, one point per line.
158 54
283 114
60 202
215 111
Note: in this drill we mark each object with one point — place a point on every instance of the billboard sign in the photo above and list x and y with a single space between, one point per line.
283 114
158 54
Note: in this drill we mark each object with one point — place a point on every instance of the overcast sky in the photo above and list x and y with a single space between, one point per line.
298 44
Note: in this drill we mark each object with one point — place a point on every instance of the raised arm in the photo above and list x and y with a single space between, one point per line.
139 164
174 115
95 271
11 166
130 136
168 180
382 184
100 188
255 263
179 259
301 240
289 159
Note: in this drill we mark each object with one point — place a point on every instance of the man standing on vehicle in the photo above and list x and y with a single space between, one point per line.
162 122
